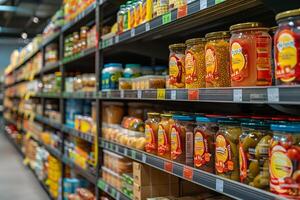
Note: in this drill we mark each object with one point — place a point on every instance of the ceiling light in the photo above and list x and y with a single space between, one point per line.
24 35
35 20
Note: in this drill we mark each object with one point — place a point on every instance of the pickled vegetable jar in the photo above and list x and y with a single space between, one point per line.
285 160
182 139
195 70
250 55
217 60
164 137
204 148
254 154
176 65
287 48
151 129
226 149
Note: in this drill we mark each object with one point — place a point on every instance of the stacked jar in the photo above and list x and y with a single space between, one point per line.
176 65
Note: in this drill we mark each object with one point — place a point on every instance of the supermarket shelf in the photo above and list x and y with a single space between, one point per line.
78 134
227 187
47 95
252 95
10 121
51 67
78 56
14 144
49 122
113 192
51 38
80 95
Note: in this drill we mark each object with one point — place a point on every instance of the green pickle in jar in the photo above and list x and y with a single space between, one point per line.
254 147
226 149
151 129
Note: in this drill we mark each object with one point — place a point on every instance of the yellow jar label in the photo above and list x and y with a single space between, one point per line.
163 146
175 143
150 139
238 61
173 68
199 144
190 68
211 63
223 164
281 165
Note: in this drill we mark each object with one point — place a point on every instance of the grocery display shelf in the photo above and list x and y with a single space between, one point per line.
84 136
113 192
10 121
48 121
227 187
51 38
79 95
47 94
51 67
78 56
14 144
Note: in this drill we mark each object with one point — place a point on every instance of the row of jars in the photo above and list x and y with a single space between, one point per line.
263 154
241 57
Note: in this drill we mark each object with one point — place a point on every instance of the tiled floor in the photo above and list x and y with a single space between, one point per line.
16 181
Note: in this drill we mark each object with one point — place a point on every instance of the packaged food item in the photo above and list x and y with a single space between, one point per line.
164 136
110 76
133 123
182 132
160 7
137 110
176 65
217 59
176 4
287 48
132 70
112 112
254 153
146 10
126 16
250 55
195 69
226 149
285 160
125 84
120 19
116 162
138 12
150 82
83 37
112 178
204 149
131 16
151 130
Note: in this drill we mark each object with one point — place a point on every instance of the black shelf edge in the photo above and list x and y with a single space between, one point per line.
47 121
84 136
113 192
50 67
78 56
79 95
47 95
211 181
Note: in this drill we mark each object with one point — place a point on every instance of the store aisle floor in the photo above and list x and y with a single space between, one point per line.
16 181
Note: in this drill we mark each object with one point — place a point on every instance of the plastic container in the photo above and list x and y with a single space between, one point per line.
204 149
113 112
182 132
132 70
285 160
125 84
138 12
176 65
287 48
217 59
131 15
164 136
151 130
112 178
117 163
120 18
110 76
147 10
150 82
250 55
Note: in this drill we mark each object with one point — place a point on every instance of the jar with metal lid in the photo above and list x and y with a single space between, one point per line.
151 129
182 132
217 60
110 76
83 37
287 48
285 160
195 69
254 144
250 55
160 7
75 43
176 65
226 149
204 149
120 18
164 136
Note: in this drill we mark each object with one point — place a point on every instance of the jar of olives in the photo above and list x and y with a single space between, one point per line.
164 136
204 148
151 129
182 139
254 147
176 65
226 149
285 160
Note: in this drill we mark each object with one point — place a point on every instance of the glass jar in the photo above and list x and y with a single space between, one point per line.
76 47
173 4
226 149
285 160
151 129
195 70
217 59
182 139
160 7
272 34
83 37
131 17
120 19
110 76
254 147
250 55
126 16
176 65
132 70
164 136
204 149
287 48
137 12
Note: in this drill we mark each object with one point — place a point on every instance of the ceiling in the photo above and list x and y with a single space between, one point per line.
16 16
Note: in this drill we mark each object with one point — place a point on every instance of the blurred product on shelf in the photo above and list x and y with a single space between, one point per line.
24 88
77 189
55 24
110 76
72 8
52 110
51 55
54 175
52 83
80 83
176 65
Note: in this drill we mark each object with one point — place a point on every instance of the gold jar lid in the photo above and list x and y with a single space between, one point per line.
289 13
273 29
166 115
217 35
153 114
246 25
195 41
177 46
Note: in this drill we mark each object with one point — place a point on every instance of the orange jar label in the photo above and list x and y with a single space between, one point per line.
150 139
223 155
190 68
287 58
202 154
243 164
238 62
211 65
163 143
176 149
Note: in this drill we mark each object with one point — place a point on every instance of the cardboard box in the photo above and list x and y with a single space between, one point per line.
144 175
144 192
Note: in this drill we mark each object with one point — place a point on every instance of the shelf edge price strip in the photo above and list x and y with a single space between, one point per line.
161 94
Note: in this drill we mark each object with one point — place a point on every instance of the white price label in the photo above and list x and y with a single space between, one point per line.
132 32
219 185
273 94
139 94
106 188
144 157
122 94
117 148
173 95
117 39
203 4
118 196
237 95
147 26
126 152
